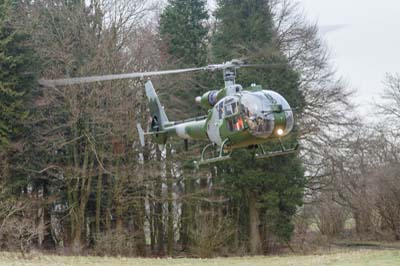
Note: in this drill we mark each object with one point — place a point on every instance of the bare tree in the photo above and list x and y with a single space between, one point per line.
89 130
327 117
391 97
19 227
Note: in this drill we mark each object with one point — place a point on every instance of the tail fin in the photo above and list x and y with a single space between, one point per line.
156 110
158 116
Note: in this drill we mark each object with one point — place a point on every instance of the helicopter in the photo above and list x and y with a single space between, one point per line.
237 117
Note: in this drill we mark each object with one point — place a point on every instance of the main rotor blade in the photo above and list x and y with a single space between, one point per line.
325 29
272 65
83 80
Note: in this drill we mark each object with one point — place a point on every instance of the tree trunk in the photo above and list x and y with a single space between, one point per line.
76 236
47 241
152 226
237 222
140 228
255 241
159 226
99 190
159 220
170 224
187 217
118 190
363 222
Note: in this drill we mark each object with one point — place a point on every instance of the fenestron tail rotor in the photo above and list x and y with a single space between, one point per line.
234 64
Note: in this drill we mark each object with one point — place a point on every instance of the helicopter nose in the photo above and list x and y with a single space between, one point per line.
283 123
280 124
289 121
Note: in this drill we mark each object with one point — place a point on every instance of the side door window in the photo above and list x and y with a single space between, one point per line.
231 107
234 121
220 109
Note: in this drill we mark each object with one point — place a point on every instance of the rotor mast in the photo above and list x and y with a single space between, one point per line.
229 77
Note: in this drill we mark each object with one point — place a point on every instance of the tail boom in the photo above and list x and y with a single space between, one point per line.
195 130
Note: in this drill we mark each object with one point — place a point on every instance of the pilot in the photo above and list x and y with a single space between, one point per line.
250 121
260 124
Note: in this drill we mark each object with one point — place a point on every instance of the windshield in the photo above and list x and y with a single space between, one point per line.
256 103
257 111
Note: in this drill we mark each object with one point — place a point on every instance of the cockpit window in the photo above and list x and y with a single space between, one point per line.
256 103
235 123
278 99
231 106
257 112
220 110
231 109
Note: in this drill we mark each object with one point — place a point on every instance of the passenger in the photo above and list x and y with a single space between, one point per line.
239 123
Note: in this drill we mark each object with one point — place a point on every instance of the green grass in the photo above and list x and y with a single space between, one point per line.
351 258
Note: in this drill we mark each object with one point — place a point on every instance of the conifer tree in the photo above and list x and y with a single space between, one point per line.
242 28
267 192
18 66
183 33
183 30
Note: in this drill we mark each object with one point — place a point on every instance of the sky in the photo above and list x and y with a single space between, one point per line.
366 48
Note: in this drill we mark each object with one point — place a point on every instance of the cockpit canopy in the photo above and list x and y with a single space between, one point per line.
258 110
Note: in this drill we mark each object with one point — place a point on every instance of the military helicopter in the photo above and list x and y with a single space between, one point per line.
237 117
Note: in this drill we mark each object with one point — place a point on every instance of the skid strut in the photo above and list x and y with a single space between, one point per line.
282 151
222 156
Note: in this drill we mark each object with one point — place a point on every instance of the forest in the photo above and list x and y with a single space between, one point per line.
74 178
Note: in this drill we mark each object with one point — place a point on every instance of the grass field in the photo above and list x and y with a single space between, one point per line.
353 258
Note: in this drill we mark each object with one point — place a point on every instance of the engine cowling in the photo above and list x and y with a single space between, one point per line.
209 99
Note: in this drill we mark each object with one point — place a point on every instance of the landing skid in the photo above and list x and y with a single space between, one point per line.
223 156
283 151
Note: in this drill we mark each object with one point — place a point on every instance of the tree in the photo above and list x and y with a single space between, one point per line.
268 191
327 116
183 34
391 97
268 194
18 71
19 67
84 134
242 28
183 31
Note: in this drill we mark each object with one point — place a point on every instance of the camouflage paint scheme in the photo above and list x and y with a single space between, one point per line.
245 118
201 129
